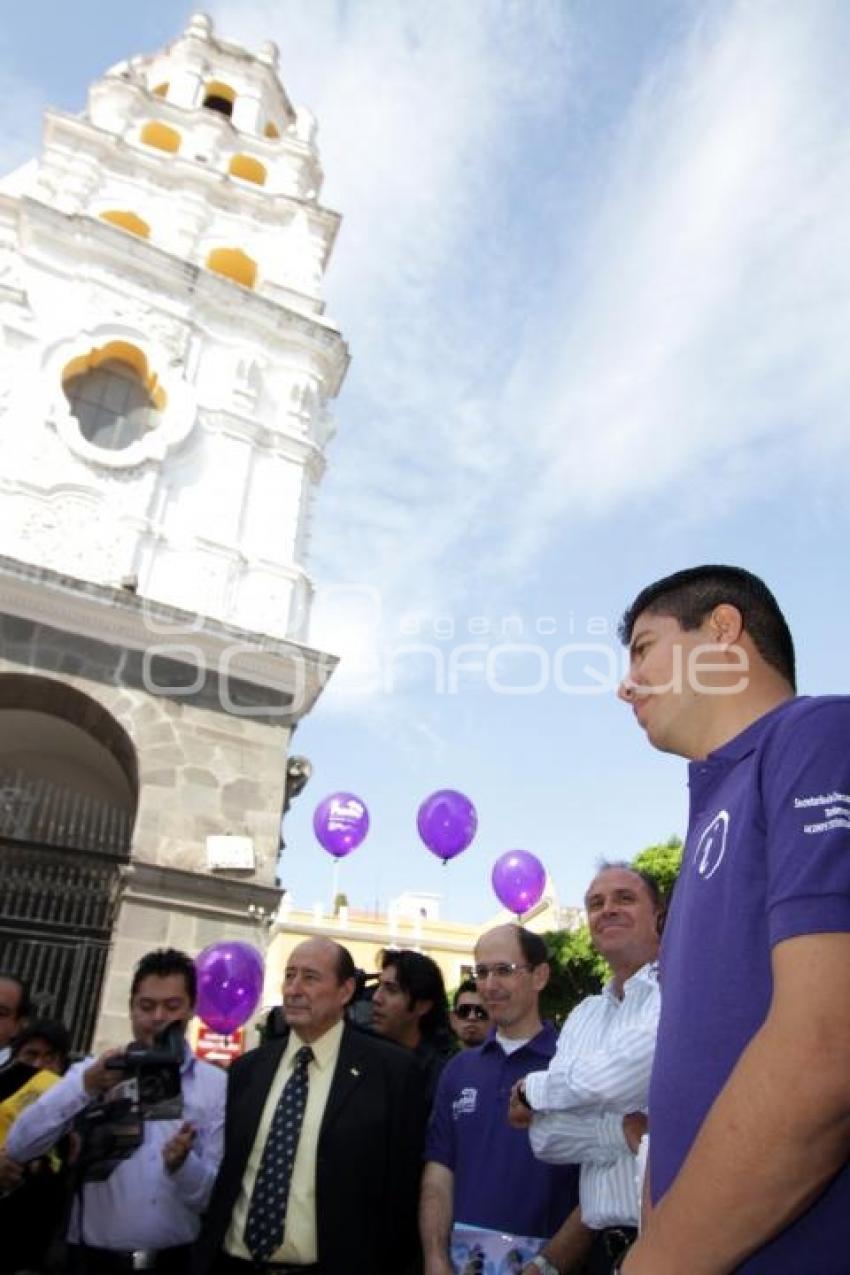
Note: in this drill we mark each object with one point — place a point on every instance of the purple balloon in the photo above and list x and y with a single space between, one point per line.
447 822
340 823
519 879
230 982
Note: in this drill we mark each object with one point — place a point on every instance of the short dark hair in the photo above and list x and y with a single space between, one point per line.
532 946
25 1005
654 890
51 1030
468 985
421 979
162 963
689 596
345 967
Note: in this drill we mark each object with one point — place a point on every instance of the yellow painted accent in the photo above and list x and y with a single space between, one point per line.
127 221
234 264
248 168
22 1098
271 130
161 90
161 136
215 88
118 352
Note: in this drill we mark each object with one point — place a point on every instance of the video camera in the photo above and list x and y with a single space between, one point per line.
112 1129
359 1008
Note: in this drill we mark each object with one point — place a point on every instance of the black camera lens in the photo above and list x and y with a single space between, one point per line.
154 1087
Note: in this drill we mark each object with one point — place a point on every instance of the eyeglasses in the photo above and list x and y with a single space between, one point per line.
472 1011
502 969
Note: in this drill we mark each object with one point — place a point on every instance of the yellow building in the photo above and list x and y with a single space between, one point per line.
411 921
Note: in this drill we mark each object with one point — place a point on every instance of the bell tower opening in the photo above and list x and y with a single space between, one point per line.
219 97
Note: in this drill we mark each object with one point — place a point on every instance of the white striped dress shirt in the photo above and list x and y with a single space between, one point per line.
600 1073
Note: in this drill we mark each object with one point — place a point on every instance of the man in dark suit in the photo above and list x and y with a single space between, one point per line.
323 1141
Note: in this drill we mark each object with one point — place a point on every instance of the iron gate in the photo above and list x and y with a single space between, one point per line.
60 870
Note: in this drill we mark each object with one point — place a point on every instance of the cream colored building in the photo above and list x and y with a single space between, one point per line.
412 922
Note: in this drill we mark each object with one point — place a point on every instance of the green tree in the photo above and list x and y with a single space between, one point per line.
662 861
577 971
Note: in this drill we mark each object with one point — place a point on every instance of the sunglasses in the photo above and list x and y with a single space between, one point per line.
472 1011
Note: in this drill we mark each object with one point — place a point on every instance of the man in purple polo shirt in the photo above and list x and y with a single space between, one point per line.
480 1174
750 1095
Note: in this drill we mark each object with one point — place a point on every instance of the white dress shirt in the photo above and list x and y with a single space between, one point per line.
600 1073
141 1205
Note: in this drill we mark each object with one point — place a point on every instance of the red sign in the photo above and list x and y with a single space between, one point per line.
216 1048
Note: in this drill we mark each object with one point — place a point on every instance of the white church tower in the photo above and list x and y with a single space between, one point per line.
165 369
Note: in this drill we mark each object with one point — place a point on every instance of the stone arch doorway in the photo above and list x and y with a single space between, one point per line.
68 797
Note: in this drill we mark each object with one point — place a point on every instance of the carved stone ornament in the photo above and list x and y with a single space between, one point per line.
66 530
248 380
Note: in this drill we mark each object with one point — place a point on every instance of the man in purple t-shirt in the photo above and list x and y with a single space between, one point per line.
749 1110
480 1173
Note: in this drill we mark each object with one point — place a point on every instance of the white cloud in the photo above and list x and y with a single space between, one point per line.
682 323
422 113
708 328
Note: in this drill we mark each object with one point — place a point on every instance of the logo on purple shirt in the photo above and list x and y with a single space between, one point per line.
465 1103
712 846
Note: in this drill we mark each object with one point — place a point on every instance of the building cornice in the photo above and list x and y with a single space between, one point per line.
213 184
209 295
125 619
218 897
379 933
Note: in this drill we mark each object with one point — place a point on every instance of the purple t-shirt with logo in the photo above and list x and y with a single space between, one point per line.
767 858
498 1182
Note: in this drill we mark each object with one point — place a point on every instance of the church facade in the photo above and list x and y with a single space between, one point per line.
165 373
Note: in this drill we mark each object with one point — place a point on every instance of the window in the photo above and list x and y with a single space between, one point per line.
115 400
161 90
219 97
127 221
271 130
234 264
161 136
248 168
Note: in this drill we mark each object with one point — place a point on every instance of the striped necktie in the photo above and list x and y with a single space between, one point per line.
267 1210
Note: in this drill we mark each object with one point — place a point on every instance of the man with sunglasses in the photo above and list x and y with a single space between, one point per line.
481 1176
470 1020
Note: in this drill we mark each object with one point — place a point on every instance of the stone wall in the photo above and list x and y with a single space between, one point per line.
201 770
163 907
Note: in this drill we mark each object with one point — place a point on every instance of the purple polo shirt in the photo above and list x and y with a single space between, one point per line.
767 858
498 1182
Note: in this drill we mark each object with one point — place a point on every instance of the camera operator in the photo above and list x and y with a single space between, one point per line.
143 1213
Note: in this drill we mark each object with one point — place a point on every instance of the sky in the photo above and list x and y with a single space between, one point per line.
594 273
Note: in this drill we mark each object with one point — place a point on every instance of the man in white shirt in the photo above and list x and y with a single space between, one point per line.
146 1212
585 1107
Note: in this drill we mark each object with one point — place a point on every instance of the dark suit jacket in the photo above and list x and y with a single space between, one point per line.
368 1161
